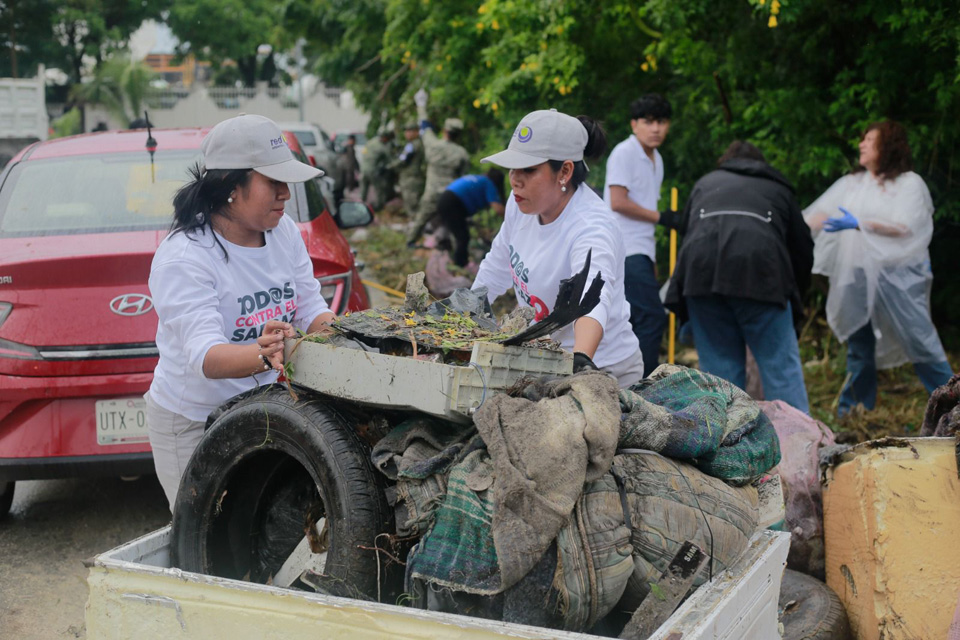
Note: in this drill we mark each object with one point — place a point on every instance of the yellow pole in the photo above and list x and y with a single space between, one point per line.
671 339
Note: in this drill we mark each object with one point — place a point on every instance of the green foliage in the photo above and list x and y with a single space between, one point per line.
220 30
79 28
118 84
25 37
66 125
802 91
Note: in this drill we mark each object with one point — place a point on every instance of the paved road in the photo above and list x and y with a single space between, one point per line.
53 527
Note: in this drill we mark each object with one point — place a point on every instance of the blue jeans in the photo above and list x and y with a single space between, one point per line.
723 326
648 317
861 385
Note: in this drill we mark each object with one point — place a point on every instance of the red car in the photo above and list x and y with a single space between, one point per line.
80 220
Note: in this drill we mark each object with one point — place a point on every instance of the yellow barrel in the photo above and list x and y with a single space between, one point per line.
891 515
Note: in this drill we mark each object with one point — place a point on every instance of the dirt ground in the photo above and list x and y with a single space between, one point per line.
53 527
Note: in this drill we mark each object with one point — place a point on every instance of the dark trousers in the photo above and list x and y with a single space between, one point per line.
861 384
454 215
647 314
724 326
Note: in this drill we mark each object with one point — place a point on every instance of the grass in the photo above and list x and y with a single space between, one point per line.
901 399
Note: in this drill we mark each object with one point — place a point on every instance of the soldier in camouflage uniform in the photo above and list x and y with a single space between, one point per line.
375 170
446 161
410 167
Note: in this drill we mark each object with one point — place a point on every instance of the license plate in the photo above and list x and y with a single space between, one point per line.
122 421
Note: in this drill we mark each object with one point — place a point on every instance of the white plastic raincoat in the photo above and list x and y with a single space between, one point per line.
880 273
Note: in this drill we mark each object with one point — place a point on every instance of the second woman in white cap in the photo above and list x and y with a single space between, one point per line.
552 220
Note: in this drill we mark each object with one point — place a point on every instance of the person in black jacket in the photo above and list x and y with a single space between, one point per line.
742 269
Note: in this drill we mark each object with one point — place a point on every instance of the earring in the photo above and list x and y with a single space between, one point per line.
563 187
230 199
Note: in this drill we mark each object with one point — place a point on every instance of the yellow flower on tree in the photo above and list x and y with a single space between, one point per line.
439 67
772 22
476 103
494 25
645 66
479 26
775 7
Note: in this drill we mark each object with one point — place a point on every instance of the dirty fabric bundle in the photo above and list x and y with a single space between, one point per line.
418 454
690 415
801 438
503 511
610 557
604 557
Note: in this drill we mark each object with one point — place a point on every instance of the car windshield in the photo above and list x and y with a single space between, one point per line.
306 138
93 193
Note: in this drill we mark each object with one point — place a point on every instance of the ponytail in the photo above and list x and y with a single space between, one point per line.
596 145
205 196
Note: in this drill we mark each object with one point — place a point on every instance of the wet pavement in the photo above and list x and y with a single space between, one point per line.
53 527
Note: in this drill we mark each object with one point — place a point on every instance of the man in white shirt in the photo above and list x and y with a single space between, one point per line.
634 176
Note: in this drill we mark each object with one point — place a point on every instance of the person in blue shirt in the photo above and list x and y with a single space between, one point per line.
464 197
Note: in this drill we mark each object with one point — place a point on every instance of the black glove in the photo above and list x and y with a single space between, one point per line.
671 219
582 362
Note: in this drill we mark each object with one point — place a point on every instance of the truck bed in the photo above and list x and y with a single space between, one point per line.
134 593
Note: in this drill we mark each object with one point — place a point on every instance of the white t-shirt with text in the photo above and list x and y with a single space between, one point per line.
533 258
629 166
204 299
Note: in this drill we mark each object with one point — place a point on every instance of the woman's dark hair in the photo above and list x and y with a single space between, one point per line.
205 196
893 149
596 145
741 149
496 177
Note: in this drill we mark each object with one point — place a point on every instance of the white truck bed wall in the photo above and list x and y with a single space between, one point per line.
23 111
135 594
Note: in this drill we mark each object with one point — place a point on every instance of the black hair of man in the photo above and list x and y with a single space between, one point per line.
741 149
651 106
352 138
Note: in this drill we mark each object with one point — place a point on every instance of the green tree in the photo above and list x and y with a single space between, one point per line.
25 37
120 85
221 30
96 28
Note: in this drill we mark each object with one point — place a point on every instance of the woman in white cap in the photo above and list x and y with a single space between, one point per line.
552 221
229 283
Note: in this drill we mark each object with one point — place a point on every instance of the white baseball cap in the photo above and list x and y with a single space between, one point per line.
541 136
254 142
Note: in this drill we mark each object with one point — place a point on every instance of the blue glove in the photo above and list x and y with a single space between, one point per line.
848 221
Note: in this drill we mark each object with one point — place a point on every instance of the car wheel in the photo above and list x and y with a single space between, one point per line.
810 610
276 487
6 498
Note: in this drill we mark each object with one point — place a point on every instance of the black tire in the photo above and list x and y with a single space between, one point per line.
263 469
810 610
6 498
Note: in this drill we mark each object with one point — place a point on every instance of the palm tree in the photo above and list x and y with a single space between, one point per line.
120 85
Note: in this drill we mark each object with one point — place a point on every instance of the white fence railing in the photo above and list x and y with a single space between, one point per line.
231 97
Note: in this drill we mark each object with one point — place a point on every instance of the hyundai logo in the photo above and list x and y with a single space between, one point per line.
131 304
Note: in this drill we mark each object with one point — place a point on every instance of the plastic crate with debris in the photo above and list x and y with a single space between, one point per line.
444 390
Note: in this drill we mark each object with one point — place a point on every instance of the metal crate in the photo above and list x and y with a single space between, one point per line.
395 382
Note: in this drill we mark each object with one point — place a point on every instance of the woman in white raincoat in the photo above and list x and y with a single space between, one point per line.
871 231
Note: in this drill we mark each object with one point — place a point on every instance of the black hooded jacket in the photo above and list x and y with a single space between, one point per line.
744 236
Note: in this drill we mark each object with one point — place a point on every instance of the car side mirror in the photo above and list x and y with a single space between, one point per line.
351 213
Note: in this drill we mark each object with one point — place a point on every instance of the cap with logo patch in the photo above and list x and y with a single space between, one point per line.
541 136
254 142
